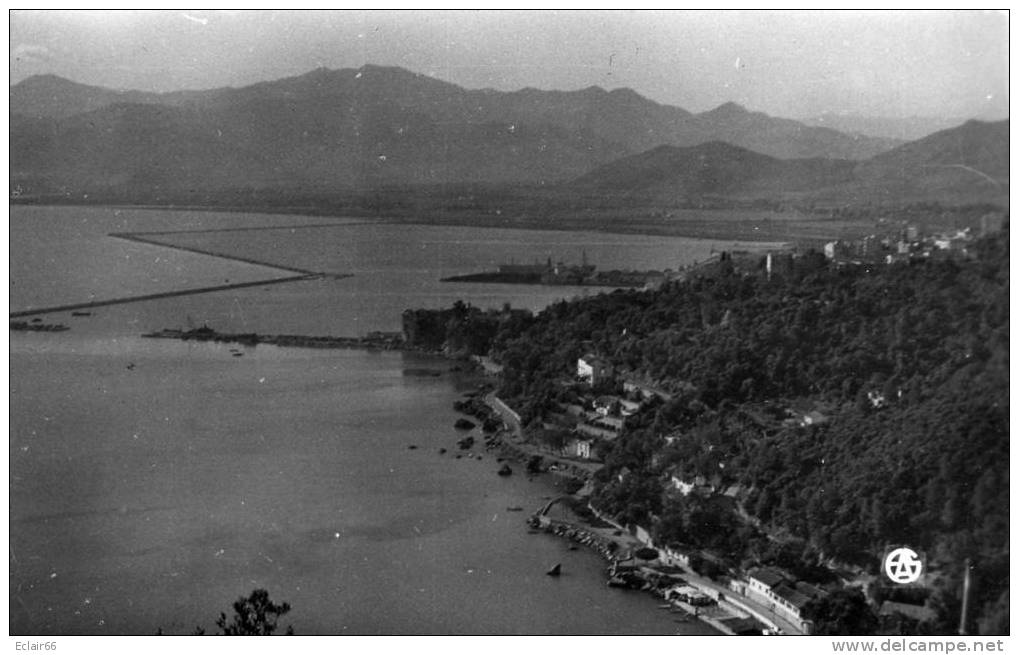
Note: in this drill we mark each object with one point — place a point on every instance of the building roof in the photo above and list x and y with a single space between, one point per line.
770 577
795 598
809 590
743 626
815 417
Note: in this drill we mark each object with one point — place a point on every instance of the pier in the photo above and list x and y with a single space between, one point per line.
139 237
158 296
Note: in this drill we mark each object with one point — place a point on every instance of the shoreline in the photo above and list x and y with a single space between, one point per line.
609 548
703 224
727 612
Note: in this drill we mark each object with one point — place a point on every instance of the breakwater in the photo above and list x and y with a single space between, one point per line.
374 341
157 296
247 228
139 237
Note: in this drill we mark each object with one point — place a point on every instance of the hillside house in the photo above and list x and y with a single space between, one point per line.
596 431
813 418
646 391
628 407
698 485
593 369
674 555
579 448
614 423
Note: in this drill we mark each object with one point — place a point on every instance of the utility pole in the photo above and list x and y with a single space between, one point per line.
965 599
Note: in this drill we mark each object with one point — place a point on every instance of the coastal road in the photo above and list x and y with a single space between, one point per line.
512 420
785 626
626 541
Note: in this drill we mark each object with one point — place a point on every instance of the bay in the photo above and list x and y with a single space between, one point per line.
153 482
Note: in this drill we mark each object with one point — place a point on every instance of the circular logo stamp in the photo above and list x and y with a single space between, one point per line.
903 566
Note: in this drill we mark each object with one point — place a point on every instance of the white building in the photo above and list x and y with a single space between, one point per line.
592 369
783 595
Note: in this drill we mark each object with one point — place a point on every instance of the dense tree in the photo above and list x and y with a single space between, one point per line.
254 615
842 612
910 361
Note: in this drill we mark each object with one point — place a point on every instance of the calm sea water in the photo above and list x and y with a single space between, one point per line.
154 482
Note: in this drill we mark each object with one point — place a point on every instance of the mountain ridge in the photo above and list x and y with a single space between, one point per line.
968 162
370 126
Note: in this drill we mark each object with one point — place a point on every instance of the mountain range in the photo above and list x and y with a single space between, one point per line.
377 127
966 163
908 128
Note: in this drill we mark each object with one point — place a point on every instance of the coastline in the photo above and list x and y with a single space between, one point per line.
728 612
612 543
567 468
742 225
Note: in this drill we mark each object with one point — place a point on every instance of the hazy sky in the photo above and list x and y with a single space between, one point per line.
795 64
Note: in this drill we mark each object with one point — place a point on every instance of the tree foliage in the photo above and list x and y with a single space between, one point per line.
910 362
254 615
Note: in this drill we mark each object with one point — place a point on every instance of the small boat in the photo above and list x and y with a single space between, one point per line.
412 447
238 354
555 570
514 509
81 313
